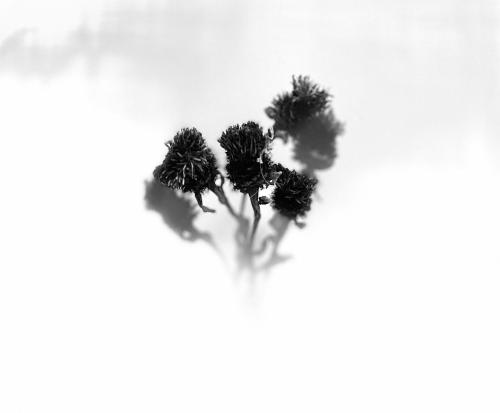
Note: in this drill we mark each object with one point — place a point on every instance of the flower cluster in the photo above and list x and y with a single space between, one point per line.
191 166
304 115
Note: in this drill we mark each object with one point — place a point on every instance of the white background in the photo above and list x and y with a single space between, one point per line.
391 301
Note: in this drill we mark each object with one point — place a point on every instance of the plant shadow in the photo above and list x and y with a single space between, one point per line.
177 211
315 141
279 225
315 148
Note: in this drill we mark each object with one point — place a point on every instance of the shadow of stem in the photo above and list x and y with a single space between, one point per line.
178 213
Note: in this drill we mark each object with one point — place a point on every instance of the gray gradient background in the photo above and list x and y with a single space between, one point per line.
390 302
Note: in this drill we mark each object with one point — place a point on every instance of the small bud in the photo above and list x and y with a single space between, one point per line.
300 224
275 176
264 200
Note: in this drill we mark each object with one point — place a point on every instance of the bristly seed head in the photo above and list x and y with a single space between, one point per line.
189 164
249 166
292 194
289 109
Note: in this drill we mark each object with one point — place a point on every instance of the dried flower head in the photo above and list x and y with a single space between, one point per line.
189 164
249 165
288 110
293 192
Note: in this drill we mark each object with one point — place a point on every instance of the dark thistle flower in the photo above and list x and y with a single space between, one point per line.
189 164
191 167
292 193
249 166
288 110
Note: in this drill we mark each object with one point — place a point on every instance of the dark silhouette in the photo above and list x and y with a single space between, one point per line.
177 210
249 166
315 142
280 224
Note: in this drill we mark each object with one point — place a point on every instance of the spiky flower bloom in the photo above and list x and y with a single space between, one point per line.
288 110
249 165
292 193
189 164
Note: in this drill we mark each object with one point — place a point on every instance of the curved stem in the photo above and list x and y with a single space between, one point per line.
199 199
221 196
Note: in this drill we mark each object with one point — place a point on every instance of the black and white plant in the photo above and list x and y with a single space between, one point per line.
190 166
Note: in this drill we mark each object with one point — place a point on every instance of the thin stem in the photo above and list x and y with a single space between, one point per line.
199 199
254 200
221 196
218 190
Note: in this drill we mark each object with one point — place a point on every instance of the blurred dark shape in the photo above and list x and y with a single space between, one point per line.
22 53
280 224
159 48
315 142
177 210
244 255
